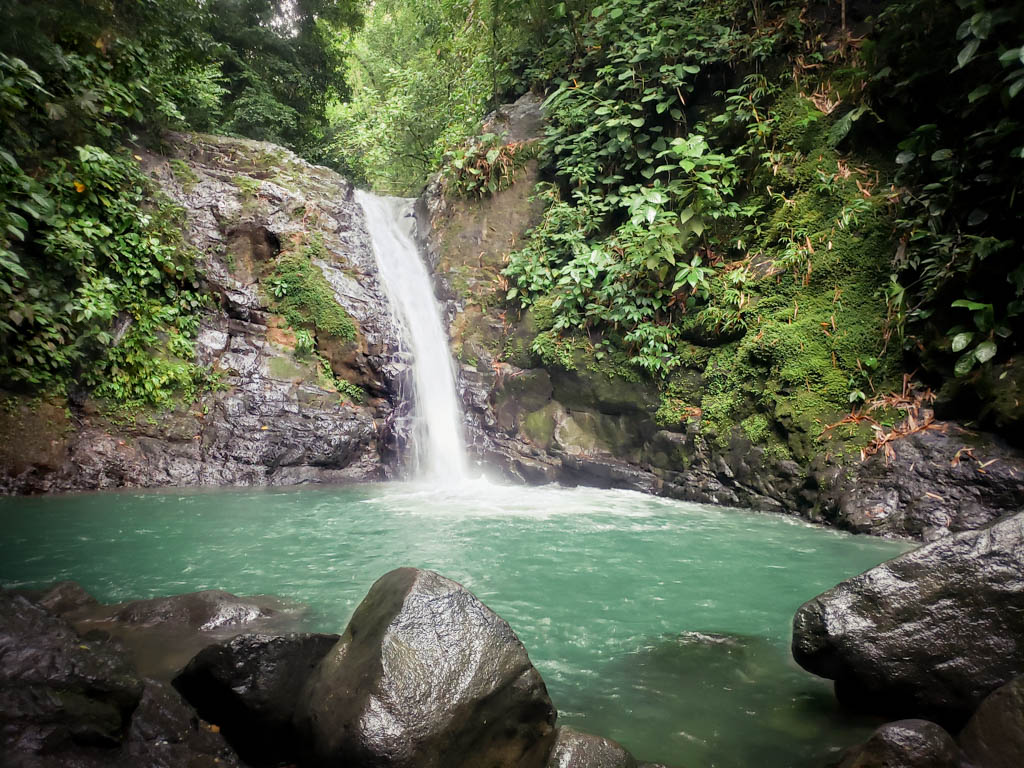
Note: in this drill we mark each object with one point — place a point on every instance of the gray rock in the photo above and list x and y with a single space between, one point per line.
576 749
426 676
65 597
994 736
927 634
56 688
905 744
206 610
272 420
250 686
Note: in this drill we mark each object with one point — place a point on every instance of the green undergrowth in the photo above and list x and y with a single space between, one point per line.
301 294
702 220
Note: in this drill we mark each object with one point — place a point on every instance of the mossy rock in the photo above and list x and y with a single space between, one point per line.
539 426
590 386
521 393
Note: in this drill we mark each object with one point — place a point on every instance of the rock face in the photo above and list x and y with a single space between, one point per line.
575 749
905 744
250 686
275 419
426 676
927 634
994 736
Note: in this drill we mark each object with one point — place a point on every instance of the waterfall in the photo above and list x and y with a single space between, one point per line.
440 450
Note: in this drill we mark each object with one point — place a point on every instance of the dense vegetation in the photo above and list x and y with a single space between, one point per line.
799 200
786 197
97 291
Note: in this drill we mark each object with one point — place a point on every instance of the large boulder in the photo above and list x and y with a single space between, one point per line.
576 749
426 676
994 736
905 744
927 634
250 687
56 688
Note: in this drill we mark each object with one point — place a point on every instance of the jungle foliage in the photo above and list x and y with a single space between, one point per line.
98 293
759 192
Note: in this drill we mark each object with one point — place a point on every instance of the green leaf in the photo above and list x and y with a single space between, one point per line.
637 122
979 93
905 157
940 155
967 54
961 340
1016 87
965 364
985 351
974 306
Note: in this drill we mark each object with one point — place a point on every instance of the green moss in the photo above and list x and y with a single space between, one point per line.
303 296
184 174
539 426
558 351
756 428
247 185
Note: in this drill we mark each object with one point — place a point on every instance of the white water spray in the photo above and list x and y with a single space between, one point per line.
440 450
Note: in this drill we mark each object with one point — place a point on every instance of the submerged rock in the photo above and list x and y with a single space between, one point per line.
994 736
905 744
426 676
576 749
927 634
250 686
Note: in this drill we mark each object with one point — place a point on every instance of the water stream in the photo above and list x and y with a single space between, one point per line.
438 443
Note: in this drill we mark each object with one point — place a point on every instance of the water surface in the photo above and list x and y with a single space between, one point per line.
661 624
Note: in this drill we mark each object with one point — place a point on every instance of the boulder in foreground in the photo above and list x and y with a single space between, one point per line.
905 744
928 634
426 676
576 749
250 687
994 736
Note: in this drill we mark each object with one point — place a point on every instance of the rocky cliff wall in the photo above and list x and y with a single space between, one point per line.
296 398
579 420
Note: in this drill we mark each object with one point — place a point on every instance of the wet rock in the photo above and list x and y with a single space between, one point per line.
250 687
994 736
165 733
905 744
272 420
426 676
65 597
576 749
927 634
936 482
56 688
206 610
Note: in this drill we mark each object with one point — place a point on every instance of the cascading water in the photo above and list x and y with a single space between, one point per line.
440 450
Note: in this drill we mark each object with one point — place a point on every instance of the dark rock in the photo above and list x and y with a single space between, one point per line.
927 634
206 610
575 749
65 597
426 676
56 688
905 744
250 687
165 733
994 736
935 482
